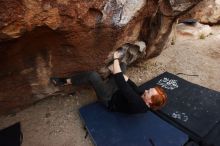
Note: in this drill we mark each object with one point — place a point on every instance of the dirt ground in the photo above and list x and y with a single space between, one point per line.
55 121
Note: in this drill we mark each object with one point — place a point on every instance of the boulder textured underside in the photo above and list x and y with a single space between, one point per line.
44 38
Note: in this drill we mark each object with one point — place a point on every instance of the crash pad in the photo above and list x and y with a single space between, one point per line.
190 107
11 136
111 128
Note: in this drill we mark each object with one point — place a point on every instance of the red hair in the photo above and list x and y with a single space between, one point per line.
159 100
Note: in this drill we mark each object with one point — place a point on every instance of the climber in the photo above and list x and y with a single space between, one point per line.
118 93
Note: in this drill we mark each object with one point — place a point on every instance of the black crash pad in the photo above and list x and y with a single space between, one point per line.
193 108
118 129
11 136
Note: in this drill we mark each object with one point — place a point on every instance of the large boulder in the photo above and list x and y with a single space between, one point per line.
44 38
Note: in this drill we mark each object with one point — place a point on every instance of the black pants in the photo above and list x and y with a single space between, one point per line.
103 89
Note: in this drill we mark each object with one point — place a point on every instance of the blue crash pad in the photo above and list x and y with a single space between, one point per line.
118 129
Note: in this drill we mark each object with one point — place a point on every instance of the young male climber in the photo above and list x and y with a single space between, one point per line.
118 93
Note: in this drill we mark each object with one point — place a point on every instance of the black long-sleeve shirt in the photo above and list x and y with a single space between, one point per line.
127 98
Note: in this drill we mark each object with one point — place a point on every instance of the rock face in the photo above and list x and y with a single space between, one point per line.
208 12
44 38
